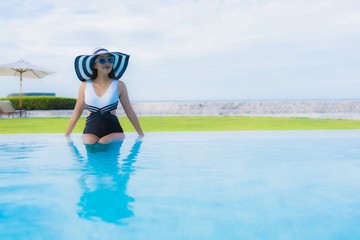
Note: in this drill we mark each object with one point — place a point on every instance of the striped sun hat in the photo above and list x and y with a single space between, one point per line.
84 63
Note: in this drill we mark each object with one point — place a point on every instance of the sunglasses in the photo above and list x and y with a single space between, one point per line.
102 61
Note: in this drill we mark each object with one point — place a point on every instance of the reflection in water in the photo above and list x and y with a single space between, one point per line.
104 182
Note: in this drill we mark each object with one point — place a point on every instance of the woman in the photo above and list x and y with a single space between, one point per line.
99 93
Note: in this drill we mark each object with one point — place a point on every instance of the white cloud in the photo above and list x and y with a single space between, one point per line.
206 49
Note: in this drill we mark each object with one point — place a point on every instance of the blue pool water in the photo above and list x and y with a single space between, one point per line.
212 185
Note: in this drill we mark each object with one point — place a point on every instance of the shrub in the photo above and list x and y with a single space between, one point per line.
42 102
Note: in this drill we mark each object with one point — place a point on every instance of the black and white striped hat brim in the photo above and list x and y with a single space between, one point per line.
83 63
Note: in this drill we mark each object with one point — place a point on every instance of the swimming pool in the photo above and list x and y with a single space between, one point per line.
208 185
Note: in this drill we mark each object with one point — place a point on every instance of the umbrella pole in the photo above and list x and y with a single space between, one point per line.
20 95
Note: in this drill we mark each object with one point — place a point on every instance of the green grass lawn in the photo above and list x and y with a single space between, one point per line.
160 124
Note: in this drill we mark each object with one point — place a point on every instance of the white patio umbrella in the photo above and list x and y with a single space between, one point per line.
23 69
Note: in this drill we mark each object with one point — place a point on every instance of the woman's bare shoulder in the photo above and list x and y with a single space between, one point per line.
82 85
121 83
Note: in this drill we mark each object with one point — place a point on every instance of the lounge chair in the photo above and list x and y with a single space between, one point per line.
6 107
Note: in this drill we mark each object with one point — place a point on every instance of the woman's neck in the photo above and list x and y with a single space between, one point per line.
102 78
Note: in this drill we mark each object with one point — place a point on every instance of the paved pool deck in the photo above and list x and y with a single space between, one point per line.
333 109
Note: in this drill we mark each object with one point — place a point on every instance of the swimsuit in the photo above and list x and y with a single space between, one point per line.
101 121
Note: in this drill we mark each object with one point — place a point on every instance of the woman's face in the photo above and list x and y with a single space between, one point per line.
104 63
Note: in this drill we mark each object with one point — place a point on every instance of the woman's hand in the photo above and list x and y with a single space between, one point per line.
139 138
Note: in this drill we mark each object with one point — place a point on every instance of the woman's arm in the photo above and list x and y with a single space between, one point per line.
125 102
79 108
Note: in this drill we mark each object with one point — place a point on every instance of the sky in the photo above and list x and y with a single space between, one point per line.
191 50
